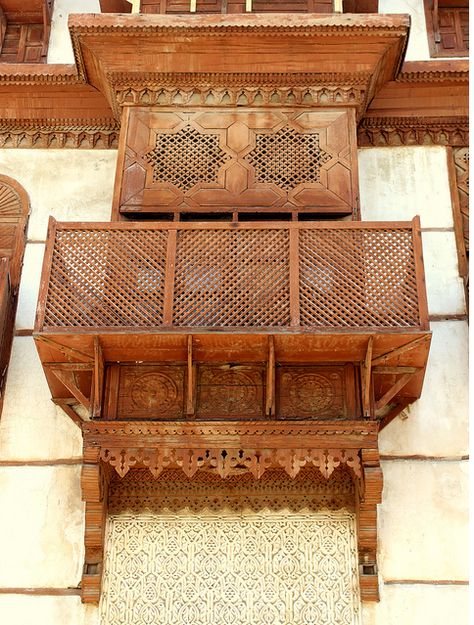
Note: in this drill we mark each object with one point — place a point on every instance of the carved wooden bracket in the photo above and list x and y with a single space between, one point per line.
226 449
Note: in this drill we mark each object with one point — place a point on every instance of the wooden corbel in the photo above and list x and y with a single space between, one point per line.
270 397
366 378
94 484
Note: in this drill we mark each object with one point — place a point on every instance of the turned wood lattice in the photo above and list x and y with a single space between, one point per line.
231 276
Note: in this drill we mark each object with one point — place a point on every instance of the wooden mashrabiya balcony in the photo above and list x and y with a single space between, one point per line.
271 298
232 348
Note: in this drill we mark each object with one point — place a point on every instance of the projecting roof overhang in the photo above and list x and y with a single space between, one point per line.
114 52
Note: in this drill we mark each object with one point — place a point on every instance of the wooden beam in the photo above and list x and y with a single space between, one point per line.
401 350
395 370
98 380
66 378
399 384
66 351
396 410
270 396
366 378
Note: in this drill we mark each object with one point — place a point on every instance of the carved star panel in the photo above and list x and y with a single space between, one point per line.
240 160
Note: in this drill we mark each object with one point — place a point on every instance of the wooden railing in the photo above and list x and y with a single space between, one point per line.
278 276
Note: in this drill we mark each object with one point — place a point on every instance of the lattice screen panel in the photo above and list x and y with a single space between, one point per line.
232 278
108 278
357 278
185 160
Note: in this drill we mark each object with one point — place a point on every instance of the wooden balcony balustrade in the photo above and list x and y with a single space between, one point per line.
226 277
233 305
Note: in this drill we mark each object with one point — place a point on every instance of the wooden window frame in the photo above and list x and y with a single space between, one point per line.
432 8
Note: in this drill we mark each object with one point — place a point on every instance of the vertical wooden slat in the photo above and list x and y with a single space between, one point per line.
294 278
120 168
169 278
366 378
420 274
190 388
98 382
270 395
45 274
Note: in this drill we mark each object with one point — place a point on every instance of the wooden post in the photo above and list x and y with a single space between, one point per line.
294 277
169 278
366 378
191 385
420 274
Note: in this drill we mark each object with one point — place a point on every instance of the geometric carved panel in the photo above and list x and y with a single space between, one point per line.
316 392
230 391
239 159
232 566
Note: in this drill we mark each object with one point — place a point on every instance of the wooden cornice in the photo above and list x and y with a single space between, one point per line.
108 48
428 103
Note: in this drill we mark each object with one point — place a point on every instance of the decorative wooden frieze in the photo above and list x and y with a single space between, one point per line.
382 131
237 391
231 90
72 134
254 159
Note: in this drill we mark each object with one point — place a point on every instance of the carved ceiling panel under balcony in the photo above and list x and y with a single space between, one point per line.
245 160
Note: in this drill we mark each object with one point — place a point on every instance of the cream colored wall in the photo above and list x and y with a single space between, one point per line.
422 520
42 533
60 47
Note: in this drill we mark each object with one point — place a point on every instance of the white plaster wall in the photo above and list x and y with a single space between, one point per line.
42 535
401 182
60 47
32 427
423 521
70 185
436 424
32 610
419 605
418 49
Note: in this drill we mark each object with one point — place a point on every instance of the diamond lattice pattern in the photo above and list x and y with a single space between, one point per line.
186 158
107 278
357 278
232 278
287 158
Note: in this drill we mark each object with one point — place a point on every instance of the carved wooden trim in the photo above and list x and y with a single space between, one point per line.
71 134
228 449
393 131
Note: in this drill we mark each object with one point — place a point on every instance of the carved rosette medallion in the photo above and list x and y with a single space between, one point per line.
150 392
312 392
230 392
154 390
